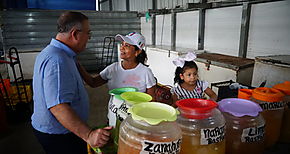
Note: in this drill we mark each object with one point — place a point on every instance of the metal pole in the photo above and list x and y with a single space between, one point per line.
111 5
127 5
173 30
153 36
99 5
201 27
153 29
246 14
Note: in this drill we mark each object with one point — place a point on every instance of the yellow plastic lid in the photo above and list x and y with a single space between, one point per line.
153 113
133 97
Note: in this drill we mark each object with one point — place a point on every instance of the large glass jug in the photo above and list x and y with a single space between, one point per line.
202 127
270 101
115 102
130 99
285 128
151 128
245 127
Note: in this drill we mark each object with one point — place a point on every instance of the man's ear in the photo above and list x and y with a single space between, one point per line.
74 34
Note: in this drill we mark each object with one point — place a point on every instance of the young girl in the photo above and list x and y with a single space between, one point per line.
186 79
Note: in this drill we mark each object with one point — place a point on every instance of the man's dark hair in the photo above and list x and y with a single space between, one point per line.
70 19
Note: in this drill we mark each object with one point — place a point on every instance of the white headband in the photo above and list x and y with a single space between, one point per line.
179 62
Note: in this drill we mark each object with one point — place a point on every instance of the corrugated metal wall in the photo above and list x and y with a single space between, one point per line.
269 32
32 30
170 4
144 5
222 30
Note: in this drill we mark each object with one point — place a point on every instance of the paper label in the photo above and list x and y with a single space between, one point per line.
272 105
150 147
253 134
122 112
212 135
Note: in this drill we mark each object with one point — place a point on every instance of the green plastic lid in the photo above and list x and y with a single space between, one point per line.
135 97
118 91
153 113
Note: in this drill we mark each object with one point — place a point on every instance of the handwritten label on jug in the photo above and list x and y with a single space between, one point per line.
122 112
212 135
113 107
272 105
253 134
150 147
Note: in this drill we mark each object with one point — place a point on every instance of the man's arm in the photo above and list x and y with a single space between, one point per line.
89 79
70 120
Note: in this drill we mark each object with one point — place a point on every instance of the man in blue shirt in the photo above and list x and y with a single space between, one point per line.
61 103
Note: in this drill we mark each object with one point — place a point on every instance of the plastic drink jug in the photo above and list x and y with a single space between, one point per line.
270 101
285 128
202 126
115 102
245 127
151 128
130 98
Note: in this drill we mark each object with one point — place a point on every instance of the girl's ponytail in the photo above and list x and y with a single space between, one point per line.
142 57
177 78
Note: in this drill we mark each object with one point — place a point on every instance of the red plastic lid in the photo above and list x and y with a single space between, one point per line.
193 108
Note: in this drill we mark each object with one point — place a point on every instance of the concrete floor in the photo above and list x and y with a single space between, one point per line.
19 139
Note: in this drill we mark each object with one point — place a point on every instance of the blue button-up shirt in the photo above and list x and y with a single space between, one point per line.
57 80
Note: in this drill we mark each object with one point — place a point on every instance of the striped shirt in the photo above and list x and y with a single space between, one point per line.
198 91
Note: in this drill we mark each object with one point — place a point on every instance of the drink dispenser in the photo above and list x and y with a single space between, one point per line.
245 127
202 125
115 102
130 99
270 101
151 128
285 128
